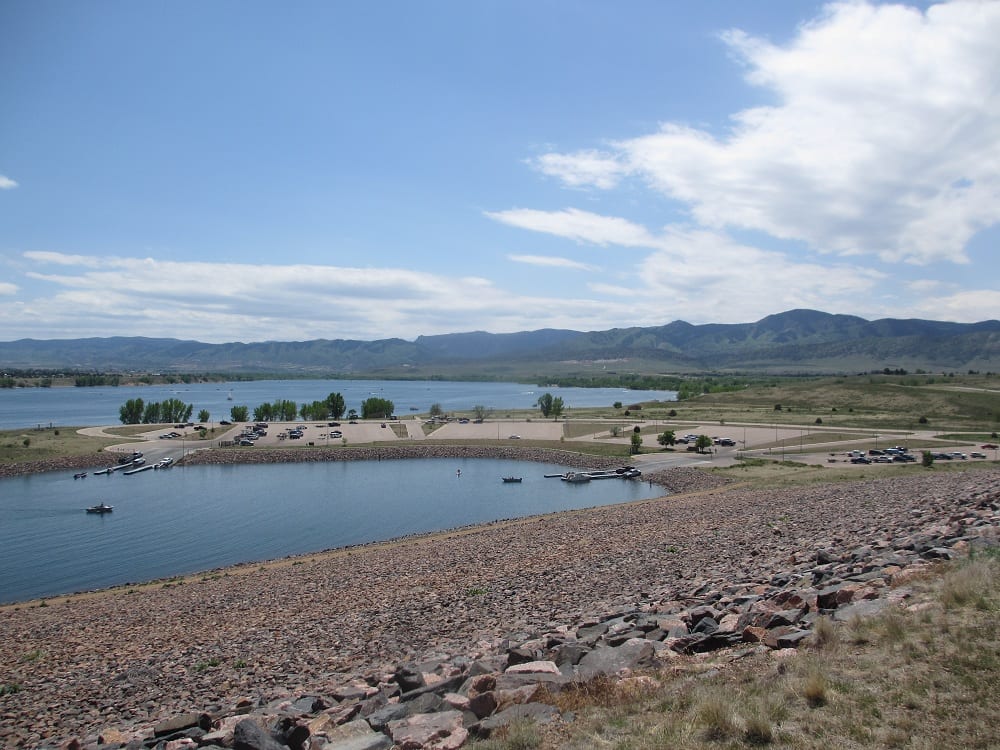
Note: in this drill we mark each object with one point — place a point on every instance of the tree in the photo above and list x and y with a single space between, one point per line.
636 446
318 410
377 408
667 437
286 411
702 442
203 416
557 407
927 459
481 412
151 414
335 404
547 403
239 413
436 410
616 405
131 411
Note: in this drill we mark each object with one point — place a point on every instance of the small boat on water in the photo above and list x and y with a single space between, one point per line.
576 477
511 480
101 508
80 475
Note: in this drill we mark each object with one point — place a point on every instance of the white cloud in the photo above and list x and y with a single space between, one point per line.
884 136
967 306
574 224
551 262
6 183
704 276
219 302
8 288
583 168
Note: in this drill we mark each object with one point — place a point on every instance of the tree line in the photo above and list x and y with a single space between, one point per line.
137 411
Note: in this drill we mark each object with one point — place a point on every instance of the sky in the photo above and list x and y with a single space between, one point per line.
255 171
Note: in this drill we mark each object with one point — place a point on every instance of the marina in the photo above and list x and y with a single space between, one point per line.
203 517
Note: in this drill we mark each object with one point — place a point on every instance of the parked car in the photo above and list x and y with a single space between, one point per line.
514 437
861 460
246 442
977 454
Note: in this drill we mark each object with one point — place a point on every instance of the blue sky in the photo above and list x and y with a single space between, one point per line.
250 171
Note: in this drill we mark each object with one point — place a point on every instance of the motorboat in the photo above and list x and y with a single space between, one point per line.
576 477
100 508
511 480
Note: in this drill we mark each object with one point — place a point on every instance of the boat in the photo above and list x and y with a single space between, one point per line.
101 508
80 475
137 469
603 474
511 480
576 477
108 470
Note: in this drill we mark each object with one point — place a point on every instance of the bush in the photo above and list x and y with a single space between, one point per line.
922 420
819 420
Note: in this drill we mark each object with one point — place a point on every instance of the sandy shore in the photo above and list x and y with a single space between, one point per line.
130 656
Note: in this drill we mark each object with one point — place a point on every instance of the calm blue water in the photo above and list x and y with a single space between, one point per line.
30 407
196 518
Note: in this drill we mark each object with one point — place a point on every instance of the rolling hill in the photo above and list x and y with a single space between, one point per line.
799 341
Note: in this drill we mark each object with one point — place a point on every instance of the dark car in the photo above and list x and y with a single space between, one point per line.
861 460
225 422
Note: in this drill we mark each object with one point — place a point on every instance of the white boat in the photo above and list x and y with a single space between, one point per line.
101 509
575 477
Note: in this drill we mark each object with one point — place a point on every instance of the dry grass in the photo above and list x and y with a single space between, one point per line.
925 677
48 443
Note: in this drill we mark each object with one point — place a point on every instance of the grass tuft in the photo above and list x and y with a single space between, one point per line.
815 687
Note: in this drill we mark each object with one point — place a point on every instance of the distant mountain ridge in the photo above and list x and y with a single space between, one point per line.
793 341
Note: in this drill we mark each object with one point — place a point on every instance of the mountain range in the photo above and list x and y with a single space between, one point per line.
797 341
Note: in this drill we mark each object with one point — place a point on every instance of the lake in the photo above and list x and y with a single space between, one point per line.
197 518
32 407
